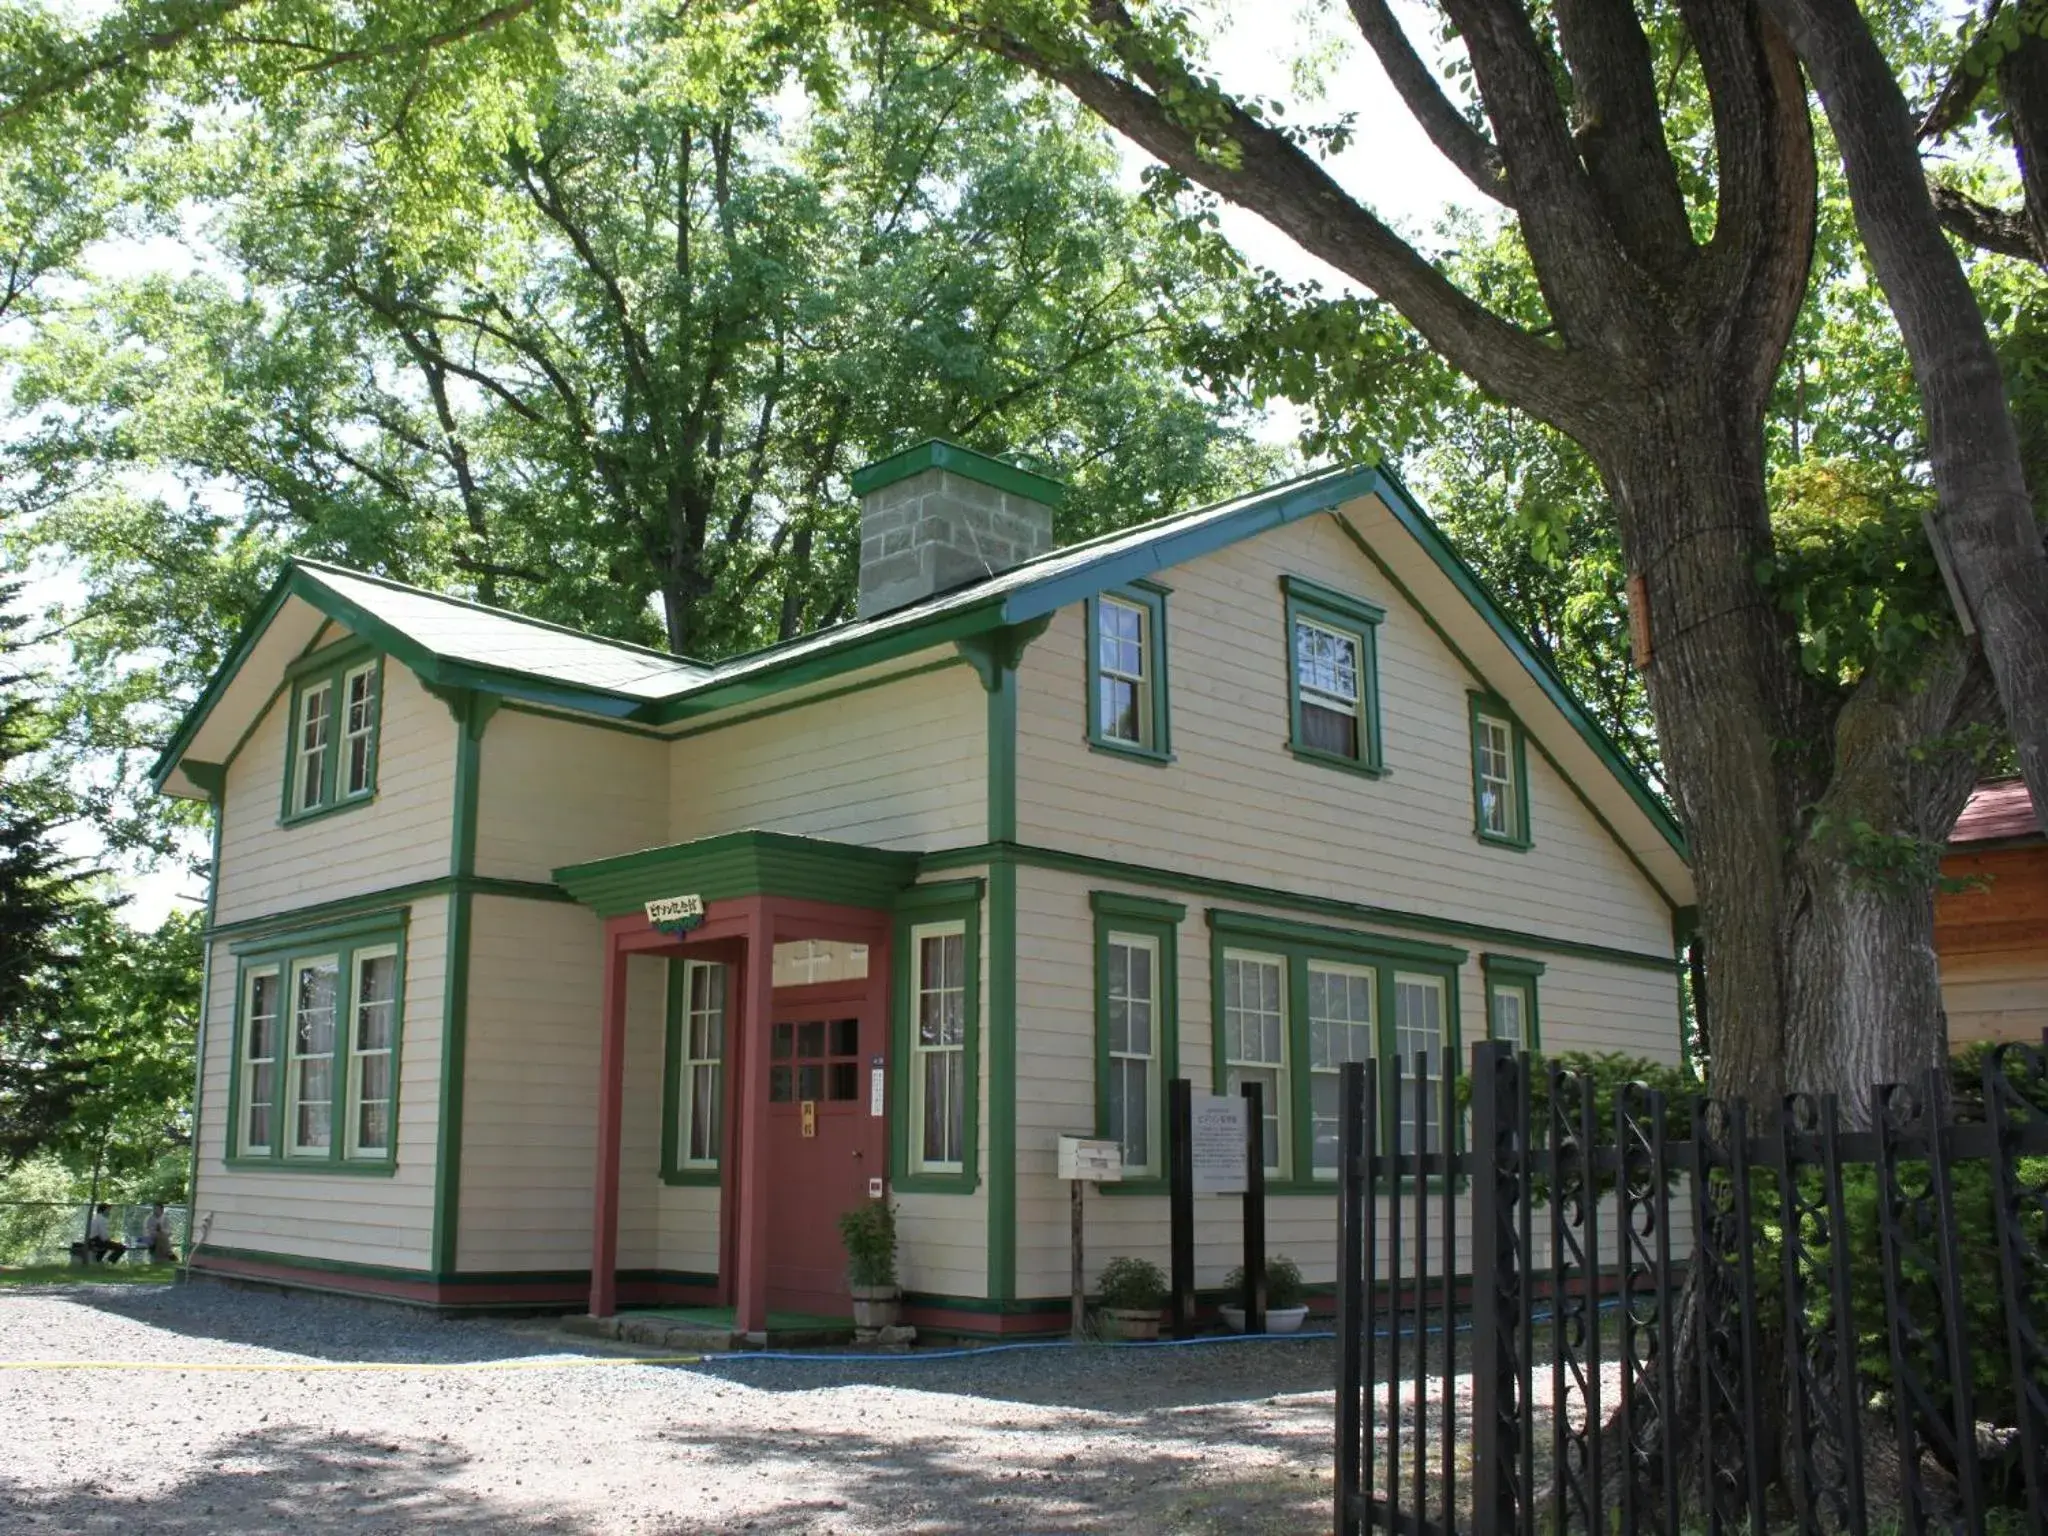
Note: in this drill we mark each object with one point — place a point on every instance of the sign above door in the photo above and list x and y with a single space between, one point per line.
676 914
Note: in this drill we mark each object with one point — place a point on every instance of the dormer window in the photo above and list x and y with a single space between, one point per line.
1127 672
332 759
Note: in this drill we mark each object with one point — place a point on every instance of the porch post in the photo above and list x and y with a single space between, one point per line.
750 1230
611 1080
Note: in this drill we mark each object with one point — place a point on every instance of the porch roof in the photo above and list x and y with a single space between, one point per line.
738 864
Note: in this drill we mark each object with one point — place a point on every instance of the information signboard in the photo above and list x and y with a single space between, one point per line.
1220 1131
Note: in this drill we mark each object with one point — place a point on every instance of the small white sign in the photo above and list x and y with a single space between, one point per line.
674 909
874 1091
1220 1125
1091 1159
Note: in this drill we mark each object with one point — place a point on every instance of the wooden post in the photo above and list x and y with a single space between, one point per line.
1180 1179
1255 1209
750 1228
611 1087
1080 1318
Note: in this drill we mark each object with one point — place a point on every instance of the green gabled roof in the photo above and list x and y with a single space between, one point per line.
453 643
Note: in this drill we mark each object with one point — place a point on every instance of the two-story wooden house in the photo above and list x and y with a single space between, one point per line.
549 971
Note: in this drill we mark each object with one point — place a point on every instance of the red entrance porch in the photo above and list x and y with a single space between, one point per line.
800 1138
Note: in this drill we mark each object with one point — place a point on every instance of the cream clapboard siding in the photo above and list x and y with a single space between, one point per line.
902 765
1236 804
362 1220
552 792
1584 1005
402 835
1994 997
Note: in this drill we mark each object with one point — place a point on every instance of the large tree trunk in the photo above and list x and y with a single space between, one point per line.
1987 519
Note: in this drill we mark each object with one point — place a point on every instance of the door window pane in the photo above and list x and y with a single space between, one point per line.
703 1064
939 1046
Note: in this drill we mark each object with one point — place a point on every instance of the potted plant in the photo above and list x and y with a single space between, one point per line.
1285 1306
869 1232
1131 1292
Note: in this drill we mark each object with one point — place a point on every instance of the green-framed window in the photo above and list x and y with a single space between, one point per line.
693 1072
318 1025
1293 1002
1511 1011
936 999
1137 1028
337 701
1333 693
1127 681
1500 774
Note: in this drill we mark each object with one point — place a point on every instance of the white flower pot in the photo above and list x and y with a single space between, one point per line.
1278 1319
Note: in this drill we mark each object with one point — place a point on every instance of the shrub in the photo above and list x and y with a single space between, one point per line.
1284 1286
869 1232
1131 1285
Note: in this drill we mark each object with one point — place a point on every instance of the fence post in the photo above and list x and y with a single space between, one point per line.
1351 1281
1497 1281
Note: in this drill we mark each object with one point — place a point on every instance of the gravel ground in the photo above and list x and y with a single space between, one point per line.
530 1433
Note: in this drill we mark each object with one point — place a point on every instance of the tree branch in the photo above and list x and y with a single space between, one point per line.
1456 140
1992 229
181 21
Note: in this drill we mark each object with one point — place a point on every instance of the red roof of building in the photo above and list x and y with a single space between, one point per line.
1999 811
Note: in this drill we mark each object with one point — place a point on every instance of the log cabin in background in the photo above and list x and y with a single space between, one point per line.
1992 934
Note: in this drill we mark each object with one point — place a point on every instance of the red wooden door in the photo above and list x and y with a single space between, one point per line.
824 1146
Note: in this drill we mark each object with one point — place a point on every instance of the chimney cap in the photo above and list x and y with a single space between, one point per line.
937 453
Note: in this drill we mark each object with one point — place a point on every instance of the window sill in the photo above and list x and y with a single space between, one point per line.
1331 760
361 1168
320 812
1511 844
692 1177
934 1184
1127 749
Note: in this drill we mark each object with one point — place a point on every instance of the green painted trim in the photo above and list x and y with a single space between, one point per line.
953 901
591 722
673 1170
1002 1071
1478 677
1476 705
469 733
1273 896
741 864
1295 946
1150 598
330 668
279 952
1306 600
1409 513
316 661
935 895
391 896
824 695
1280 932
456 1277
937 453
1158 921
1520 973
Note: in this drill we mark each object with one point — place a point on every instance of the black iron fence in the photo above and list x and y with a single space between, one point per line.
1677 1320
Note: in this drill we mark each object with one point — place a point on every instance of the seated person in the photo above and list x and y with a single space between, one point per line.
156 1236
99 1242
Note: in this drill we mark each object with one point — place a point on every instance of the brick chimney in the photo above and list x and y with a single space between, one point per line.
939 516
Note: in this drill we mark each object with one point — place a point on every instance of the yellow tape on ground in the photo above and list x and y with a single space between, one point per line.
348 1365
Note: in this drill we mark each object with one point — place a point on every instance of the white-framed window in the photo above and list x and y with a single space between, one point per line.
310 1081
702 1085
314 728
1508 1003
1419 1042
359 730
1255 1041
1493 748
1327 675
260 1042
1342 1024
1123 684
373 1035
938 1047
1131 993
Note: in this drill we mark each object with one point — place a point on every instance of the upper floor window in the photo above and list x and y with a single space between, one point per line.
316 1048
1500 776
332 760
1127 704
1332 677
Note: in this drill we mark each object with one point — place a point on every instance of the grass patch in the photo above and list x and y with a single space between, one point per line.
31 1275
